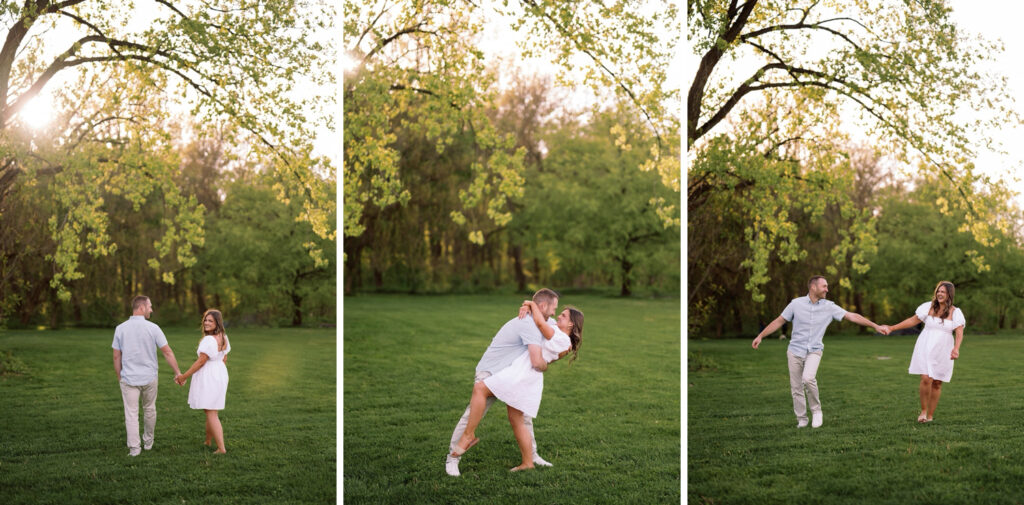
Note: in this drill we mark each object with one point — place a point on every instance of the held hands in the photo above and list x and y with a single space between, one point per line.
883 329
180 379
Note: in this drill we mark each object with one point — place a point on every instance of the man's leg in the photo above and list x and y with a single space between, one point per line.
130 396
810 383
148 396
537 460
451 463
796 386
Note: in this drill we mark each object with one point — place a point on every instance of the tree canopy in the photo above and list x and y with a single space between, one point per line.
781 86
419 65
119 75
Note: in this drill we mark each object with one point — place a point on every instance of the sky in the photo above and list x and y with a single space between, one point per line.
1001 20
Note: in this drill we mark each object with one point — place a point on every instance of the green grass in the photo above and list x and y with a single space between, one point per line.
609 423
743 445
63 434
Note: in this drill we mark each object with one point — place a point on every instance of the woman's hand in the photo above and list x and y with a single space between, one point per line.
525 308
955 354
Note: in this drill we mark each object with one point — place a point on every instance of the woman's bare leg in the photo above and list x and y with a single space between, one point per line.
477 405
213 422
523 438
925 391
934 398
209 432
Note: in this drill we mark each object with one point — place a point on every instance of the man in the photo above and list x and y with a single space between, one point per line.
810 316
511 341
135 343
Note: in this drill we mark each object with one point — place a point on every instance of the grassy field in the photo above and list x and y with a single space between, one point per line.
609 423
743 445
63 434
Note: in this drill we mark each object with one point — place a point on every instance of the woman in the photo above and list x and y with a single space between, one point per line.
936 347
520 385
210 384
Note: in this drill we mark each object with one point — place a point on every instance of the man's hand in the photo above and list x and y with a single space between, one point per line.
541 368
756 342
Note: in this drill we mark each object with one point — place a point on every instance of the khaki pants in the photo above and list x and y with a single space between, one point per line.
131 396
802 377
460 428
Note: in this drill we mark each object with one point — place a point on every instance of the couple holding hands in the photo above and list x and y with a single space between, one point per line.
135 344
937 346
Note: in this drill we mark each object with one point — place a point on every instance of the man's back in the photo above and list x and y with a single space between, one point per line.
510 341
138 341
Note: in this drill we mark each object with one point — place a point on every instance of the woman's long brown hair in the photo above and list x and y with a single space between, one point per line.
576 332
943 310
219 329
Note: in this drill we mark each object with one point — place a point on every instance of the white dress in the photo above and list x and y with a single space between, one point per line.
519 384
934 344
210 382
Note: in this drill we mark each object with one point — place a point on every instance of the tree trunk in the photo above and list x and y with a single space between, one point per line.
517 260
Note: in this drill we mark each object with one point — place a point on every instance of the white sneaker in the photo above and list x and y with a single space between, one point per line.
815 419
147 447
539 461
451 467
134 452
801 423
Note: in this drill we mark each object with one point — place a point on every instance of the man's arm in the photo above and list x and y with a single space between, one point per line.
853 317
772 326
117 364
169 356
537 358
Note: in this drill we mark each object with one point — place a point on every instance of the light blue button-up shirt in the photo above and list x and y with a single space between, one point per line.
511 341
138 340
809 323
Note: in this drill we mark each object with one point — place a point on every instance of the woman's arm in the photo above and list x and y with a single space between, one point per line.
200 361
956 345
538 319
907 323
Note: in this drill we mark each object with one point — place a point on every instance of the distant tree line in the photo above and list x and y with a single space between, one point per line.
586 215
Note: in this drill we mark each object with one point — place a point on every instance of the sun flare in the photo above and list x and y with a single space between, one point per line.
37 113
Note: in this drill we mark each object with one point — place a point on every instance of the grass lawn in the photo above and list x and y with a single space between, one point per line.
63 435
743 445
609 423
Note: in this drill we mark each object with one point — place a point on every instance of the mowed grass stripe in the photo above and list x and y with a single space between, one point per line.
609 423
743 445
64 439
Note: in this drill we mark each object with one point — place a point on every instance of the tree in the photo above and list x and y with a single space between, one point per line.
429 50
904 66
597 215
224 64
256 256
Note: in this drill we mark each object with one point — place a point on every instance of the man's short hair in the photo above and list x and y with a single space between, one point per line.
813 280
544 295
138 302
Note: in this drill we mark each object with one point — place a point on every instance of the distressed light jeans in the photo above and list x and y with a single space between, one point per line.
131 396
802 377
460 428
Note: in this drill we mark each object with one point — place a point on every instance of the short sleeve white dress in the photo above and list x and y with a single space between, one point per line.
210 383
518 384
934 344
